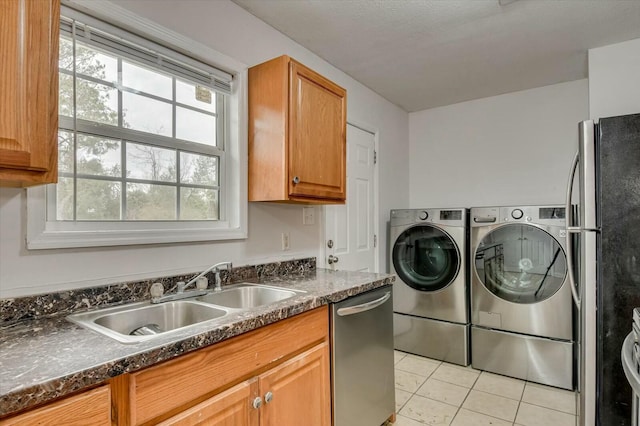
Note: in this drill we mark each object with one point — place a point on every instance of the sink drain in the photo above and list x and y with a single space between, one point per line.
146 330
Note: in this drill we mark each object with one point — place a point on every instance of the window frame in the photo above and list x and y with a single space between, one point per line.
44 233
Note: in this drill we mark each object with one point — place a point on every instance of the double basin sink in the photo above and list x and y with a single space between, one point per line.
142 321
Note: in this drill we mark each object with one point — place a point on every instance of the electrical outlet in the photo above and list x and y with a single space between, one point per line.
285 241
308 215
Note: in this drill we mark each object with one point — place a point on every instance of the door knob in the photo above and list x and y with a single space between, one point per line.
332 259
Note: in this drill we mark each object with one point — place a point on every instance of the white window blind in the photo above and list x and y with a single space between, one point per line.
125 44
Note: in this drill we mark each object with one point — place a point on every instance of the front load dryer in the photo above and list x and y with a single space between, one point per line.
430 298
521 307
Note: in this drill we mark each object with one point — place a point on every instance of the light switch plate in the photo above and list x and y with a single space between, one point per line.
308 215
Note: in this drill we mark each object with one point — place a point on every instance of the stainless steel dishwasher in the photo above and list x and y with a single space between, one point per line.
362 377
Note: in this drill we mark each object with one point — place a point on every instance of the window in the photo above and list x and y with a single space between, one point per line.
146 150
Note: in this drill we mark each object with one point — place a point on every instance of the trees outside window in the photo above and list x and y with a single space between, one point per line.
135 144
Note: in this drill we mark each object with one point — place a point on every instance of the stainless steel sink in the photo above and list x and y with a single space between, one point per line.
243 296
137 322
142 321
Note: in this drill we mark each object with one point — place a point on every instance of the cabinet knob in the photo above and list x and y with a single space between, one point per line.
268 397
296 180
332 259
257 403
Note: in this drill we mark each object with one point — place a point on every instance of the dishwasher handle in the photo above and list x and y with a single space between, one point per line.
352 310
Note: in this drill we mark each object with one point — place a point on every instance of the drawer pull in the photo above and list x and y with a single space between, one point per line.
257 403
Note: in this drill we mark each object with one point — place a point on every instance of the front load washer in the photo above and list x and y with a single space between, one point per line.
430 299
521 307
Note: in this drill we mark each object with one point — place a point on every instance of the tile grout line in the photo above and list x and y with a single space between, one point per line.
520 402
415 393
465 398
548 408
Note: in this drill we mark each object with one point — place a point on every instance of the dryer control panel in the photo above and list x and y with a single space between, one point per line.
541 215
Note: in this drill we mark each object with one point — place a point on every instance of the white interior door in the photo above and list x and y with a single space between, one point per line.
349 228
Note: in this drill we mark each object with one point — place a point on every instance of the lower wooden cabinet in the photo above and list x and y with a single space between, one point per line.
282 369
292 394
90 408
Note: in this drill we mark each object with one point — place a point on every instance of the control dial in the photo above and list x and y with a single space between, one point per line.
517 214
423 215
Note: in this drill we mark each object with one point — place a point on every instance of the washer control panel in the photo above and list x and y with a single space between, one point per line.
448 217
517 213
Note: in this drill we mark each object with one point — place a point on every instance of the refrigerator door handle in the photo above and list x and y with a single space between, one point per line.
570 231
587 173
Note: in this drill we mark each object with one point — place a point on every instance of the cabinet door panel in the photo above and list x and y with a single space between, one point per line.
300 389
229 408
317 138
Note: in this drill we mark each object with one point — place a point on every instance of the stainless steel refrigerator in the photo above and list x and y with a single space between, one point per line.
604 250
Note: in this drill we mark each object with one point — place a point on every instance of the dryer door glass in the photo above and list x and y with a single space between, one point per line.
520 263
426 258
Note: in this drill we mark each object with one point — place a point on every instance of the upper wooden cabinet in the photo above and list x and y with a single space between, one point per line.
29 92
297 134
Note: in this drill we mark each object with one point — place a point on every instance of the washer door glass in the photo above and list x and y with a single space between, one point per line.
520 263
426 258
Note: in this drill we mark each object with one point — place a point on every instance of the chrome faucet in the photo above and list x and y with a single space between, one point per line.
156 293
216 269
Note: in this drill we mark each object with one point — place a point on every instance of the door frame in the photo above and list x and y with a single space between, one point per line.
322 263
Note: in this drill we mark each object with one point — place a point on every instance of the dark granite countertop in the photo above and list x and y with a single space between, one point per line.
47 358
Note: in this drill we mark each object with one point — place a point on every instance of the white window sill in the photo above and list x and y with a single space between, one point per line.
44 234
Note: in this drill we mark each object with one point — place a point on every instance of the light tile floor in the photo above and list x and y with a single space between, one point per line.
437 393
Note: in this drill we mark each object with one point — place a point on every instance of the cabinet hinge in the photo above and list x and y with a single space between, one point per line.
375 157
375 240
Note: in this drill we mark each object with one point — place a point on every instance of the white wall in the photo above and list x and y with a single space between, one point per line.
614 79
227 28
503 150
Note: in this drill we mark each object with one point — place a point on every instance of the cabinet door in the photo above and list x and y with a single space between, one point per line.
317 135
91 408
232 407
297 392
29 86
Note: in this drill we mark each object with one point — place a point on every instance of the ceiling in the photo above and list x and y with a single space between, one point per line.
421 54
